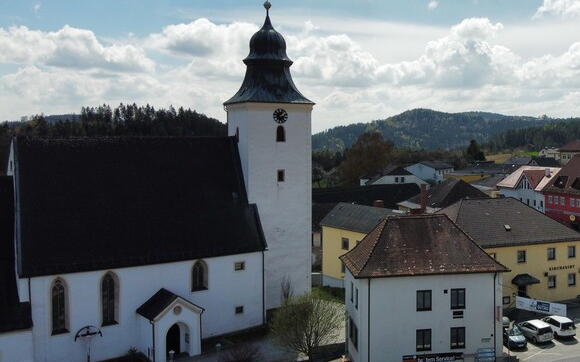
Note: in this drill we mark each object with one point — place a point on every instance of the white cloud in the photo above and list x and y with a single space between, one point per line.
36 8
202 38
561 8
69 48
432 5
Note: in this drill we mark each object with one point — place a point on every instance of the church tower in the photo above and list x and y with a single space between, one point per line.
272 121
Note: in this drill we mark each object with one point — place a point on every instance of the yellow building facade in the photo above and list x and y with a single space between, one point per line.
342 229
554 265
541 253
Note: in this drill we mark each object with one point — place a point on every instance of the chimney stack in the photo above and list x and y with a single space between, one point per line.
379 203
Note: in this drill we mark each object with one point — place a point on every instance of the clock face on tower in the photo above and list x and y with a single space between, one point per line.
280 115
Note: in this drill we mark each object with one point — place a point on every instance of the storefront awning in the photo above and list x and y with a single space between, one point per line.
524 279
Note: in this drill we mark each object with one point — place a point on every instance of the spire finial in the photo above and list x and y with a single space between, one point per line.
267 6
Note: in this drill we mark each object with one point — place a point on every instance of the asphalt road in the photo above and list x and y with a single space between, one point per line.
558 350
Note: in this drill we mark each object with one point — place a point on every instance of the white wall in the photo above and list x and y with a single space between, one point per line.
394 318
16 346
227 289
285 207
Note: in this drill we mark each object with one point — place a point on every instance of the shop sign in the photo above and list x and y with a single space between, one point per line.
437 357
534 305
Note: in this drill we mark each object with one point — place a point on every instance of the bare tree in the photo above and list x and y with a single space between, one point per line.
306 322
286 287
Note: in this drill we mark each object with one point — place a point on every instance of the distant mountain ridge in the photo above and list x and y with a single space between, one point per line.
428 129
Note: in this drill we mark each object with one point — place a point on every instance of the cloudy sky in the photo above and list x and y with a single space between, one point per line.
358 60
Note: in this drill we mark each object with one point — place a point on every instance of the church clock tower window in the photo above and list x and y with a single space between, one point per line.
280 134
281 176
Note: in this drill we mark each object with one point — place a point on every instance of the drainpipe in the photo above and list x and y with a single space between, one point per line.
153 335
263 292
368 321
496 310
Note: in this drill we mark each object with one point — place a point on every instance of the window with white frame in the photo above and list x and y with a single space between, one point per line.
571 279
562 200
521 256
550 199
551 253
551 281
571 251
345 244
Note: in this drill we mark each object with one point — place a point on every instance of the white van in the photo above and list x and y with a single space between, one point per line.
561 326
536 330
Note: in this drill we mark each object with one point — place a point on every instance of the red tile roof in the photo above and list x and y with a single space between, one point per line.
418 245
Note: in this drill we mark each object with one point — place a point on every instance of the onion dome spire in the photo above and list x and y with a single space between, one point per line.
268 76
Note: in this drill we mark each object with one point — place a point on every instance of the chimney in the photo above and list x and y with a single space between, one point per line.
547 172
423 198
379 203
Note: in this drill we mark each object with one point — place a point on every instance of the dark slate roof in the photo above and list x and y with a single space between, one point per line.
366 195
437 165
158 302
319 212
357 218
268 76
518 161
447 193
14 315
93 204
573 146
506 222
545 162
567 180
418 245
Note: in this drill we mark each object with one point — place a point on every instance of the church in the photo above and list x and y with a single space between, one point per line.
155 244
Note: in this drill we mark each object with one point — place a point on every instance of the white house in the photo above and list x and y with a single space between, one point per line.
158 243
430 170
390 175
526 184
418 286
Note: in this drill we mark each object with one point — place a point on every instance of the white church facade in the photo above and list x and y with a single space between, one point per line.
156 244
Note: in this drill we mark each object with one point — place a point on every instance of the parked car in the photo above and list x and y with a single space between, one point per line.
536 330
561 326
514 338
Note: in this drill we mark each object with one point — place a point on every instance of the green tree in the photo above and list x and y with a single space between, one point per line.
306 322
474 153
369 153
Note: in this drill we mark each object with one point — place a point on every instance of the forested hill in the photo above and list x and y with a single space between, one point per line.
104 121
428 129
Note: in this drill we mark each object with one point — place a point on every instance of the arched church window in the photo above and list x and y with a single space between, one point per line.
109 299
199 276
59 307
280 134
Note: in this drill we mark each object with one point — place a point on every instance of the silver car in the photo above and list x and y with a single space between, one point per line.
536 330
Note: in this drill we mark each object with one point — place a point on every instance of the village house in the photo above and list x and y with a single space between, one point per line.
540 252
342 229
419 287
526 184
